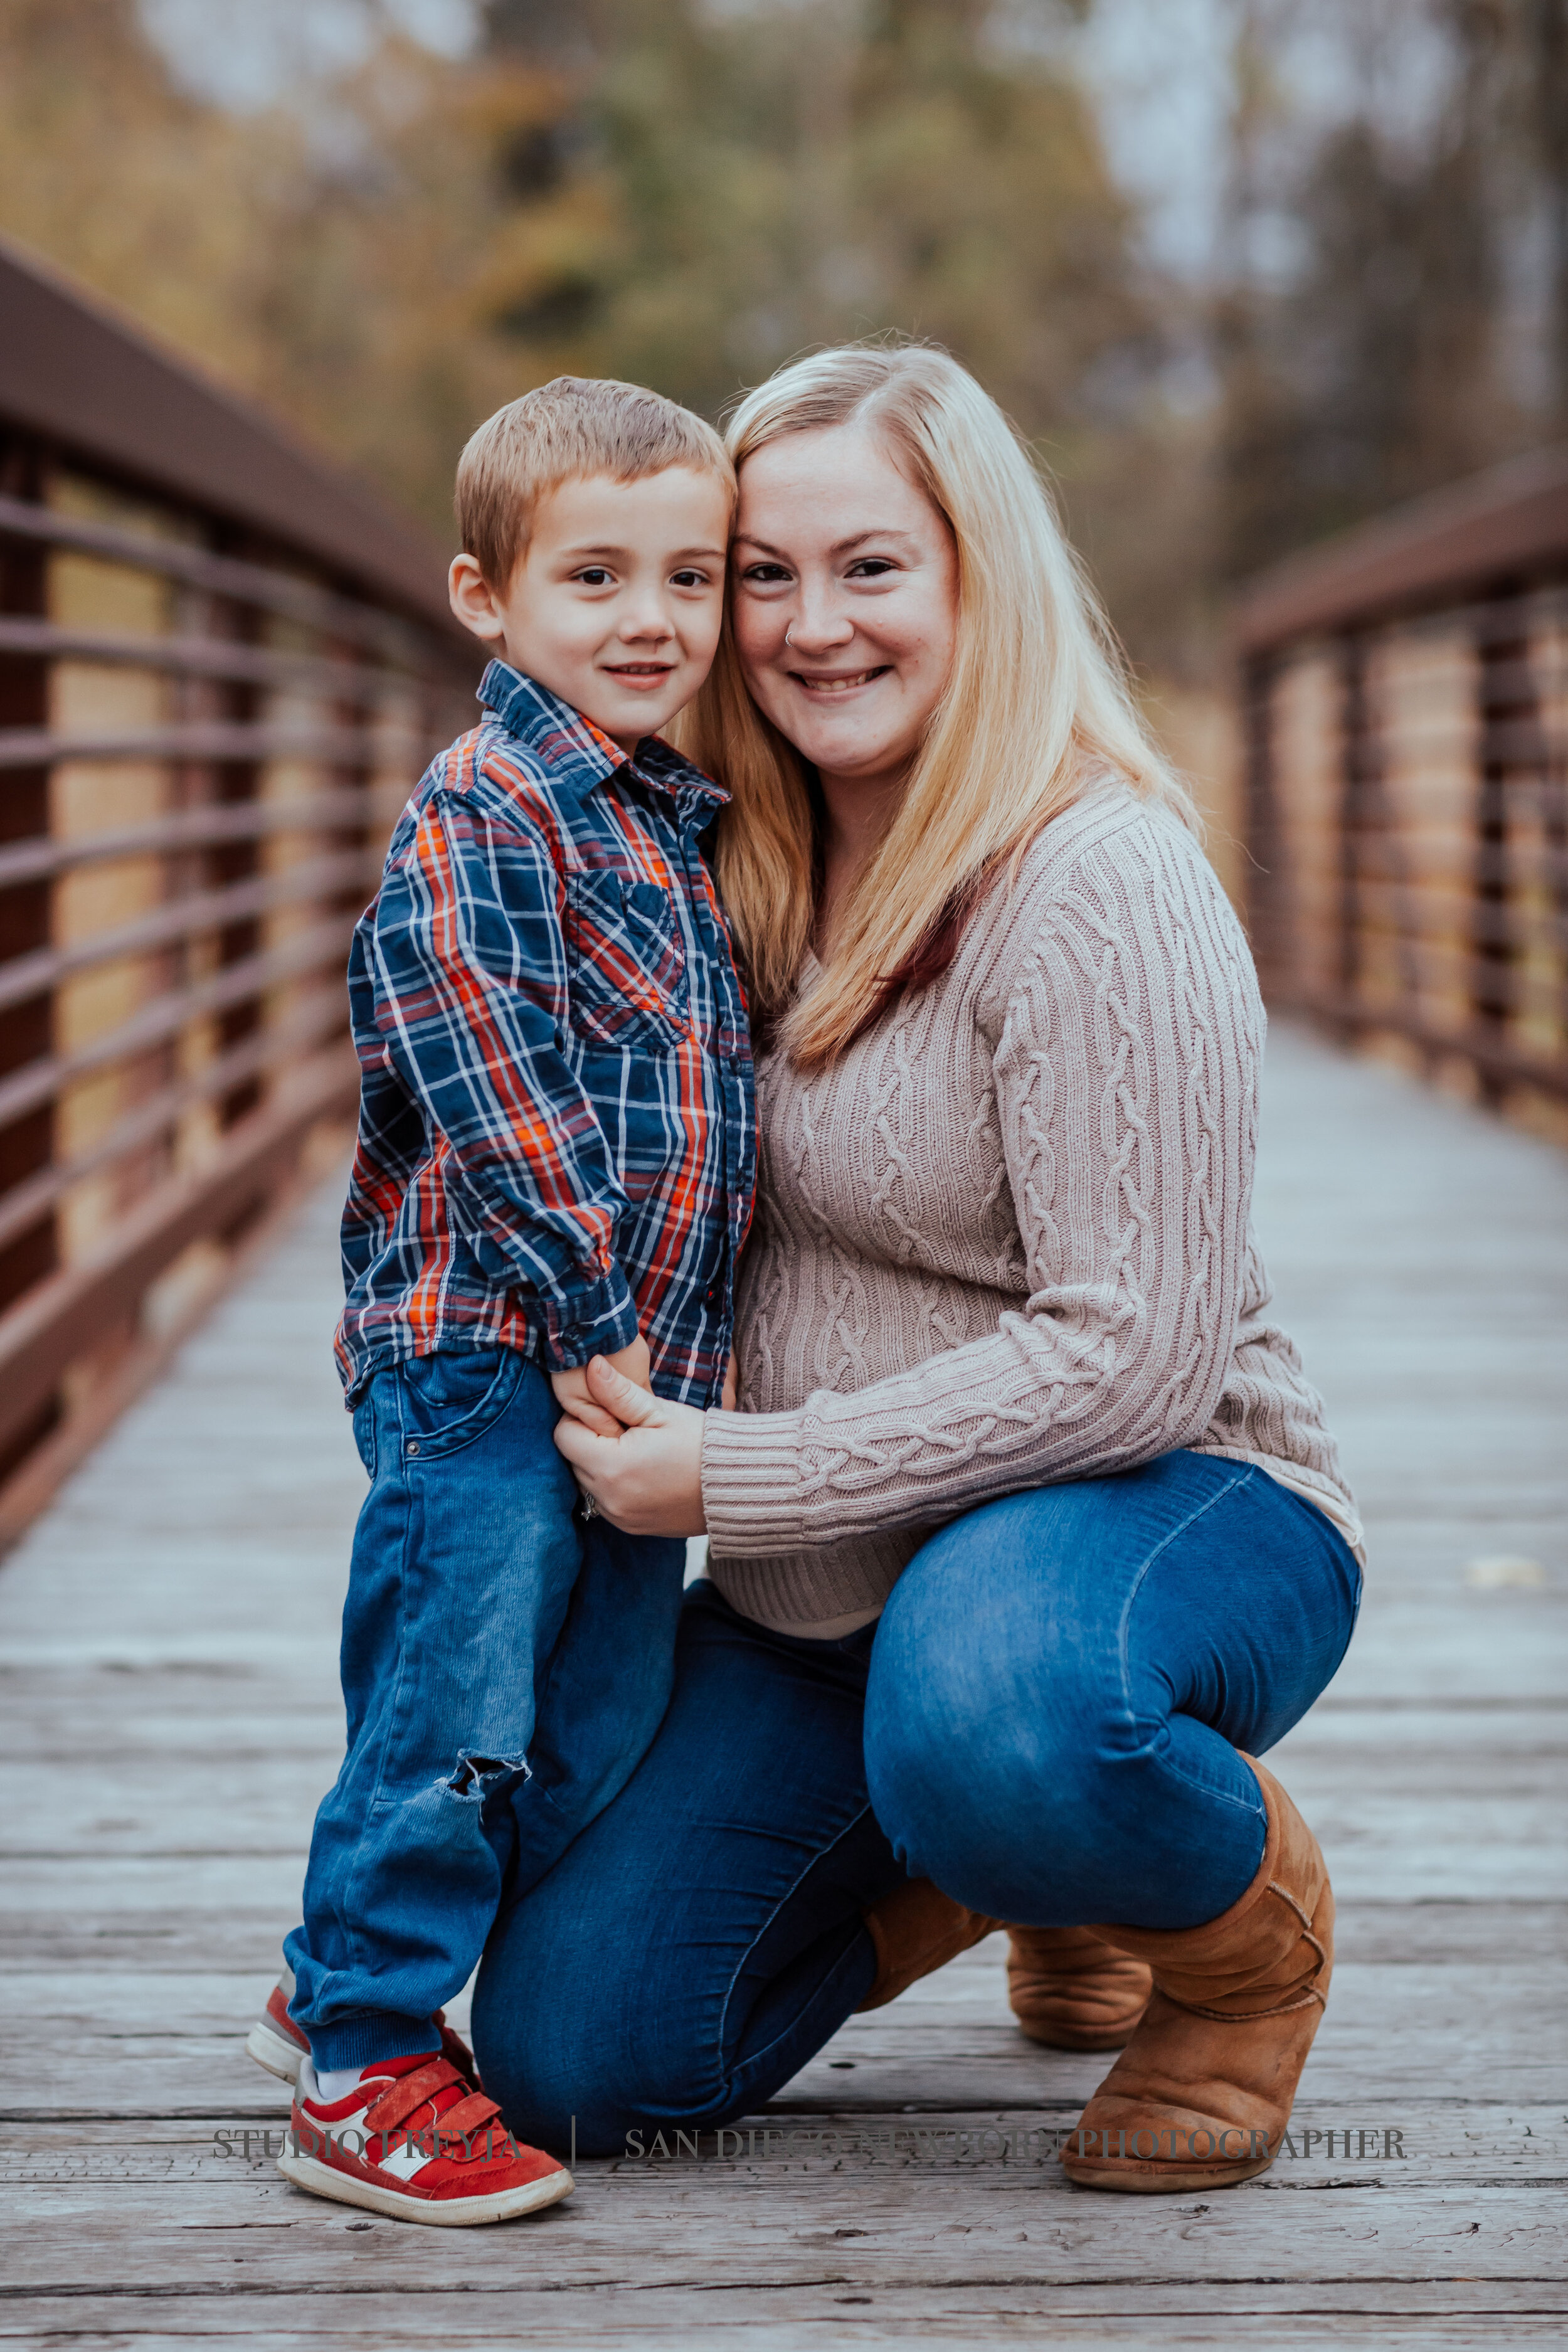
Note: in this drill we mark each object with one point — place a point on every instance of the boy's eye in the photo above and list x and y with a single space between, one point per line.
592 575
688 576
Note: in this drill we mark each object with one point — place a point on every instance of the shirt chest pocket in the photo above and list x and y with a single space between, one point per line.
627 978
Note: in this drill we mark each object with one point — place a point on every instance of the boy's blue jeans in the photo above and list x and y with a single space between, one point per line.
505 1665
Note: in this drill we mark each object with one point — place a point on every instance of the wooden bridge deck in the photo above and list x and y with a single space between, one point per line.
166 1641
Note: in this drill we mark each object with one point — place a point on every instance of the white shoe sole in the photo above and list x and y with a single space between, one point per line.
449 2213
274 2051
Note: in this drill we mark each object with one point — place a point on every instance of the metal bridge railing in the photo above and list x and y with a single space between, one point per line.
1405 698
222 668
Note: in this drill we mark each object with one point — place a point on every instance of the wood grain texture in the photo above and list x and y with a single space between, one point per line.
169 1714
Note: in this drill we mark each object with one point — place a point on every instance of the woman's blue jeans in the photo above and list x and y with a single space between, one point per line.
1044 1721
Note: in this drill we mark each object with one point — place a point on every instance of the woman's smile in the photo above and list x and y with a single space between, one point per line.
826 684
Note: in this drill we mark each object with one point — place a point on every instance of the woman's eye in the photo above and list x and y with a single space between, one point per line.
870 567
764 575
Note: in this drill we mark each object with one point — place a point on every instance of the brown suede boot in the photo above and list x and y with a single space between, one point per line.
1202 2093
917 1929
1072 1990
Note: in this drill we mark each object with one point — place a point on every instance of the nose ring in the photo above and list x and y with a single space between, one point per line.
786 632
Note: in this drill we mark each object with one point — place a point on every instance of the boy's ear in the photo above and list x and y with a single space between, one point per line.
474 601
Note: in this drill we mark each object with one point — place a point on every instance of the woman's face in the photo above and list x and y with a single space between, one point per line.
835 550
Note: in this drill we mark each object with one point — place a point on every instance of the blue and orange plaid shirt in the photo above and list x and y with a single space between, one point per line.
557 1132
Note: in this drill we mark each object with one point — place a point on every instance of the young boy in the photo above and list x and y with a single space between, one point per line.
555 1161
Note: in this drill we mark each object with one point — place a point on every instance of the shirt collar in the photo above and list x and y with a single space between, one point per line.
576 751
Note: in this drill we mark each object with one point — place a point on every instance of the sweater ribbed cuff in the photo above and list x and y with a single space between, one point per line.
751 1482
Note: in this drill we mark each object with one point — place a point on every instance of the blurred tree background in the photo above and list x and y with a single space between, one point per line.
686 191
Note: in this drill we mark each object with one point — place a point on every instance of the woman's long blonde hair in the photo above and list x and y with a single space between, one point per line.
1037 700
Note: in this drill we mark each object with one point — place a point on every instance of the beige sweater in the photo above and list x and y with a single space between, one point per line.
1004 1239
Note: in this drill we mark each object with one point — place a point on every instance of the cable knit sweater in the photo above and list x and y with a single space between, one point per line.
1004 1240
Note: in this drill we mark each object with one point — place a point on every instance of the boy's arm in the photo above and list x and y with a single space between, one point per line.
470 982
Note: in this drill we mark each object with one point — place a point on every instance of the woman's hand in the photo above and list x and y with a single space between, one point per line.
647 1480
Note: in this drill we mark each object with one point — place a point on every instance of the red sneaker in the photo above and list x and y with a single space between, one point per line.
276 2042
420 2145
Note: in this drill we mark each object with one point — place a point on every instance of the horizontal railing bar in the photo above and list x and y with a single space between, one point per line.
164 1017
1442 975
53 1324
1472 623
1512 875
1456 950
201 739
1388 857
205 910
1537 991
1436 897
1468 541
205 827
246 584
321 1016
25 1203
1523 796
1484 919
224 657
1460 955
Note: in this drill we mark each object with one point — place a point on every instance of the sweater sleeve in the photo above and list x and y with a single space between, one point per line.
1127 1038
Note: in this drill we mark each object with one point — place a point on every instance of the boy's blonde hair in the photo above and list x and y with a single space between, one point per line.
567 429
1038 700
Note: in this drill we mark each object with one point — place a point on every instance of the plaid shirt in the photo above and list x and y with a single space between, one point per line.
557 1133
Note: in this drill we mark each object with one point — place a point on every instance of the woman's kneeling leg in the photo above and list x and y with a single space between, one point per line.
1063 1679
703 1937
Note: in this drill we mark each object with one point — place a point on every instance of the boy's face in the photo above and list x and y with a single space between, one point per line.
616 604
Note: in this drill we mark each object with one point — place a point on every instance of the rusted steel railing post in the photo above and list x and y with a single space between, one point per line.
1358 761
27 1254
1510 753
1269 911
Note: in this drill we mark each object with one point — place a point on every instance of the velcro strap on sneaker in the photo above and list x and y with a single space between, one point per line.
469 2116
410 2091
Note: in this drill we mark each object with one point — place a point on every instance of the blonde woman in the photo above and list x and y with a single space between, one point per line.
1028 1536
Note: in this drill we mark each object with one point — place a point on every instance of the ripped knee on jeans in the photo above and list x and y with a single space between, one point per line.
479 1776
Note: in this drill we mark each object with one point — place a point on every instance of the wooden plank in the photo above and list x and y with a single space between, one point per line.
1450 2315
176 2041
244 1940
1379 1806
130 1876
1442 2142
755 2227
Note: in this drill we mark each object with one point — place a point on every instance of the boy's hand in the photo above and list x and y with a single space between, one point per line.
647 1478
573 1395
